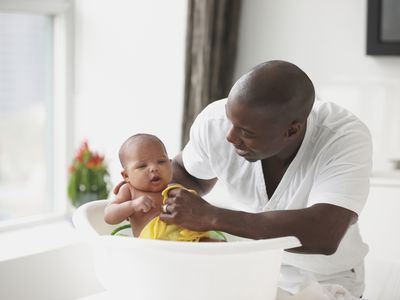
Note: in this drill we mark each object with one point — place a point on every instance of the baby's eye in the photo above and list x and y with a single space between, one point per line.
163 161
141 166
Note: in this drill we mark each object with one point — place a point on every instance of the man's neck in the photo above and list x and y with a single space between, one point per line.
287 156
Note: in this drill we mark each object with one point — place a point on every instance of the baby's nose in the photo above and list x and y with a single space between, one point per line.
153 168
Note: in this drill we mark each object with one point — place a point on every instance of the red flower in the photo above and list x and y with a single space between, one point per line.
88 158
84 148
71 169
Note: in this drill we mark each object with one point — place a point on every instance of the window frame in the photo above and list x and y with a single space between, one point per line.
61 108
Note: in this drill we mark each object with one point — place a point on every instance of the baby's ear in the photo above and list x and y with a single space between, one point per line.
124 175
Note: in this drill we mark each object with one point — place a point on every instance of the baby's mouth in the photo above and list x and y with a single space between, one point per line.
155 179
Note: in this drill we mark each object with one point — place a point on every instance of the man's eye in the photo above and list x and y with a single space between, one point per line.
246 133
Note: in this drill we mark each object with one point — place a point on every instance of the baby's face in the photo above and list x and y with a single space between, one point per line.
148 167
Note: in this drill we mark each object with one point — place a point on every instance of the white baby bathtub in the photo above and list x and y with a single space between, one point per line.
131 268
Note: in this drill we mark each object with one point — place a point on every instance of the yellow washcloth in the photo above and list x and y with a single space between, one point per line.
159 230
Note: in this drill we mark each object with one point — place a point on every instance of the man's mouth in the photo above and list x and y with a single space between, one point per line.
241 152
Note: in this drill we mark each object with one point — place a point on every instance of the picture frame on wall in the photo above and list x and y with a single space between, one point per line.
383 27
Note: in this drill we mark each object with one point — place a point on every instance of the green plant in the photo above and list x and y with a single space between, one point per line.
88 175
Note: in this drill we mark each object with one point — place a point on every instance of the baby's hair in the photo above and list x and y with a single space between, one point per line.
131 140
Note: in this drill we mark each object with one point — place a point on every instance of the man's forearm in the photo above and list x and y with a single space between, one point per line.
252 225
317 233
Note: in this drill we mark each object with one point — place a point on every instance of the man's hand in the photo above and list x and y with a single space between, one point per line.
143 204
118 186
188 210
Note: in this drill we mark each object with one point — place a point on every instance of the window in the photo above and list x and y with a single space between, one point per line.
25 118
33 85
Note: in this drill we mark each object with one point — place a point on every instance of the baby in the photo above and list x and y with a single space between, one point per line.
147 171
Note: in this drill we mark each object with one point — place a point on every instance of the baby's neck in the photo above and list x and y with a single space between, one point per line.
154 195
149 192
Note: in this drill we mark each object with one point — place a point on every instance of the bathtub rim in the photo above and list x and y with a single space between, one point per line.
236 245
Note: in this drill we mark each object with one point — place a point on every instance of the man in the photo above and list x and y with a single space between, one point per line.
292 166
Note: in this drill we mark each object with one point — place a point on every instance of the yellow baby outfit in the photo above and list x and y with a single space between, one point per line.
159 230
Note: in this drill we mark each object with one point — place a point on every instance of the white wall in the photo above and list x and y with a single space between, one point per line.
129 73
327 39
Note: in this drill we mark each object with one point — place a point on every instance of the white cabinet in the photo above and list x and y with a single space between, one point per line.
380 226
380 219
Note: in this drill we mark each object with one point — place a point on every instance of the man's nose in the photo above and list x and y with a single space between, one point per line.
233 137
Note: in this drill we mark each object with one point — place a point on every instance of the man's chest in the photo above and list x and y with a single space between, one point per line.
273 174
255 188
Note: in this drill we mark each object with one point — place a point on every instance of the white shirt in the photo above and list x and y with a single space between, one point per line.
332 166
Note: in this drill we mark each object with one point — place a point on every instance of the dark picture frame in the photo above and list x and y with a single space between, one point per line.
383 27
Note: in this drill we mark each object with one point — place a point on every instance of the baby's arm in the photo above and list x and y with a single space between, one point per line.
123 206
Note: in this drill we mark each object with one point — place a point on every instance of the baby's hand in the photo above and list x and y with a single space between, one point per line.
143 204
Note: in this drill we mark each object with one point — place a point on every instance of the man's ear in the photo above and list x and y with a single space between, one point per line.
294 129
125 175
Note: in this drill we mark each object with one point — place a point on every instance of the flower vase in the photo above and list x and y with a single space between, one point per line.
85 198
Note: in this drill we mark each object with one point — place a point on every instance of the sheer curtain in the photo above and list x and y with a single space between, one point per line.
212 30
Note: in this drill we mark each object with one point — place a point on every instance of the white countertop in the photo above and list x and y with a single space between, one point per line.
385 178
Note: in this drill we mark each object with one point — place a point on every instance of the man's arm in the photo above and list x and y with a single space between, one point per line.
180 175
320 228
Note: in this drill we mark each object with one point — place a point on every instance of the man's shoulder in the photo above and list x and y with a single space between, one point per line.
212 120
215 110
336 131
335 119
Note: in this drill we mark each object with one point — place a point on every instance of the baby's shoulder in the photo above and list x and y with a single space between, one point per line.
126 191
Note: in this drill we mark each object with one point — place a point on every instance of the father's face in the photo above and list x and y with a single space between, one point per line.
256 134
